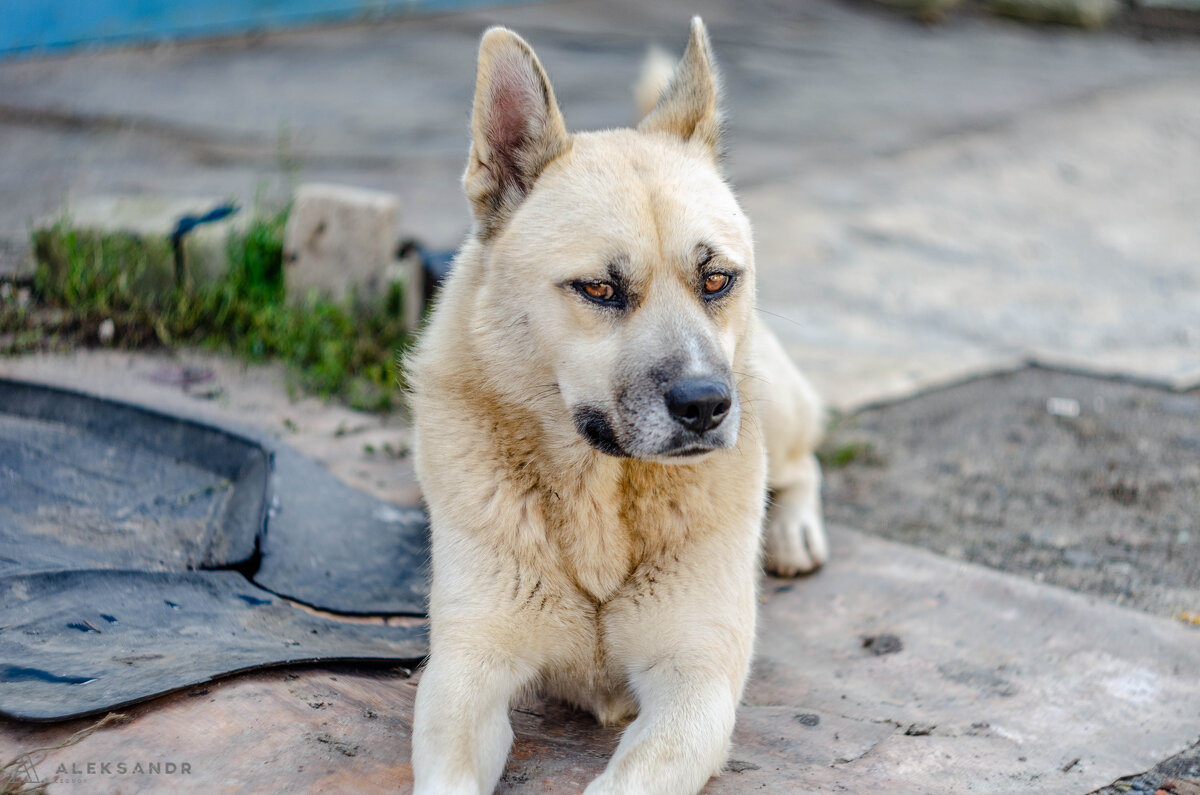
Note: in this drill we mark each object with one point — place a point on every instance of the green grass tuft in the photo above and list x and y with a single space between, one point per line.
347 350
841 455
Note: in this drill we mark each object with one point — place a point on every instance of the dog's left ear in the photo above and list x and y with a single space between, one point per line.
517 128
689 108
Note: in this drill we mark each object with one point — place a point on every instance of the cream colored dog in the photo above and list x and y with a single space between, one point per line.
599 414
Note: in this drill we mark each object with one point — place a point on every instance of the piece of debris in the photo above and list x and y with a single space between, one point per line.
880 645
341 746
808 719
1070 765
398 451
919 730
738 766
348 430
183 377
1062 407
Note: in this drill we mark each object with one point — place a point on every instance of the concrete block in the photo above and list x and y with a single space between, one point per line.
154 218
338 237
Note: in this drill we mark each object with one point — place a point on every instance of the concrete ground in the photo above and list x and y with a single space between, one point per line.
929 203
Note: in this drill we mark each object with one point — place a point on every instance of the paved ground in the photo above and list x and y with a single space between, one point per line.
929 203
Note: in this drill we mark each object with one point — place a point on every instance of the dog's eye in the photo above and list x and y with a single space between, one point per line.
600 292
716 283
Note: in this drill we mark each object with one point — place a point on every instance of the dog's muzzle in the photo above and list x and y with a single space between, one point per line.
680 419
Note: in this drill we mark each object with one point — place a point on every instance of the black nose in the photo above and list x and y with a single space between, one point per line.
700 405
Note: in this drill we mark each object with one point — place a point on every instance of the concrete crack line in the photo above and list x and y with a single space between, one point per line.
937 135
74 121
209 147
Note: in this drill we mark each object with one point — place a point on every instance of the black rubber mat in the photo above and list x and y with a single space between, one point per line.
79 642
86 483
333 547
106 505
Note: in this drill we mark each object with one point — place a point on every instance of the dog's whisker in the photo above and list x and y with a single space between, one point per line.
781 317
749 375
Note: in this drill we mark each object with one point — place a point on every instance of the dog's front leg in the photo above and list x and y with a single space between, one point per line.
680 738
686 669
461 733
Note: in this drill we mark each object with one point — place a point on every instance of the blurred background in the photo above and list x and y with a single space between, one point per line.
939 187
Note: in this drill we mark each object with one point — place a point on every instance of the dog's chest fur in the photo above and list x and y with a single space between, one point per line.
597 520
594 537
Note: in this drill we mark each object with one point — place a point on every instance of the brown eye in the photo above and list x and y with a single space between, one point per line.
715 283
600 291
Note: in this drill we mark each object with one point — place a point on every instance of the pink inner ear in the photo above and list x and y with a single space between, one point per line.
516 106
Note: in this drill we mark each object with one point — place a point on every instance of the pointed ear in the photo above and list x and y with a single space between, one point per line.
517 128
689 107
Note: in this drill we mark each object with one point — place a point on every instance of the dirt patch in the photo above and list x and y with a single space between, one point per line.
1086 483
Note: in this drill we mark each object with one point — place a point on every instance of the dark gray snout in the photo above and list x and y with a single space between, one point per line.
699 404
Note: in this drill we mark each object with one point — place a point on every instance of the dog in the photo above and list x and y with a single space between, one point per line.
598 417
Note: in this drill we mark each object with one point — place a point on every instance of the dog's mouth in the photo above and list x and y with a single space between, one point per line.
689 452
598 430
595 428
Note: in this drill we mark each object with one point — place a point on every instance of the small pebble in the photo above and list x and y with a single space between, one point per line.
1062 407
880 645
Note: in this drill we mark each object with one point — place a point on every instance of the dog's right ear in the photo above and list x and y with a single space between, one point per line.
689 108
517 128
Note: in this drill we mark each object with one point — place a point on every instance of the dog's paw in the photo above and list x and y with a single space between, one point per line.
795 535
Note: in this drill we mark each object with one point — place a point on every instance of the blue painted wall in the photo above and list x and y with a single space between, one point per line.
34 26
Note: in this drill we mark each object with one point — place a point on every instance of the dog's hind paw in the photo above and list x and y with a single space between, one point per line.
795 535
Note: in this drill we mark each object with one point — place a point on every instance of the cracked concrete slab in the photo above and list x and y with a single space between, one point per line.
988 683
1068 238
998 683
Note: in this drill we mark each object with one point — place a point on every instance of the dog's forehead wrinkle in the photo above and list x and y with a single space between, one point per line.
618 269
646 208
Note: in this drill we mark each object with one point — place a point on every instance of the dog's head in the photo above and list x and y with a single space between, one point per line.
617 265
